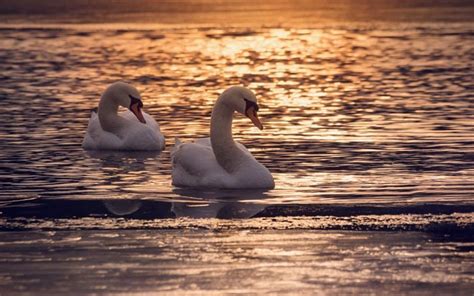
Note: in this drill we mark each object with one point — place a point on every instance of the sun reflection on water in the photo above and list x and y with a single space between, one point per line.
348 112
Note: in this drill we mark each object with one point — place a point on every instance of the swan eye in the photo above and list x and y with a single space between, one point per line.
135 101
249 104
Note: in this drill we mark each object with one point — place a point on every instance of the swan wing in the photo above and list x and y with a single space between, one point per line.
139 136
195 165
150 121
207 142
194 158
96 138
135 136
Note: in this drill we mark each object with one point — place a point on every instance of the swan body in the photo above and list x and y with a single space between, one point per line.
128 130
219 161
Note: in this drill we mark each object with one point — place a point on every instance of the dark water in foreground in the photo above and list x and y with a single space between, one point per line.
368 133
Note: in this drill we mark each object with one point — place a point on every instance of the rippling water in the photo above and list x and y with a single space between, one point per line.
244 262
352 114
368 133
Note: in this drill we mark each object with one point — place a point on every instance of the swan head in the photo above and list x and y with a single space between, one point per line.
126 96
244 101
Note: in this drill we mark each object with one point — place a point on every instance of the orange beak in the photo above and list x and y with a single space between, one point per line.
252 114
138 112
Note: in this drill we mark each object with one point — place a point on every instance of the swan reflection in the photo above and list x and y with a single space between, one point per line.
222 194
221 210
122 207
223 204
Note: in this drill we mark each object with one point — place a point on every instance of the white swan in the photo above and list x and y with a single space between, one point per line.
129 130
219 161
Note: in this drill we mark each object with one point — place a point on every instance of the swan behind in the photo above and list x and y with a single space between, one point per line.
128 130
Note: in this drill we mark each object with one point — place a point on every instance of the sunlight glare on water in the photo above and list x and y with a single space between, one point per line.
351 114
367 109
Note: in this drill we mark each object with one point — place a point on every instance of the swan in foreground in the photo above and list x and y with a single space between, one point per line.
219 161
128 130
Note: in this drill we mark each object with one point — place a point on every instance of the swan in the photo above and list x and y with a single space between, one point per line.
128 130
219 161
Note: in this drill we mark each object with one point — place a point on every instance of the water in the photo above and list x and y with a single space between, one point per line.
351 115
244 262
368 133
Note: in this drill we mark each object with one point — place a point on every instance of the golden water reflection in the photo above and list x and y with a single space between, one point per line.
352 114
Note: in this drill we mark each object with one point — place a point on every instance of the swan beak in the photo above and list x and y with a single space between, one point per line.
135 108
252 114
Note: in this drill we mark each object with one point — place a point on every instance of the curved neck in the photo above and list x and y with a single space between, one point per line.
110 121
227 153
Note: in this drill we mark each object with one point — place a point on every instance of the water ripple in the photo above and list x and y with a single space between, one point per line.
352 115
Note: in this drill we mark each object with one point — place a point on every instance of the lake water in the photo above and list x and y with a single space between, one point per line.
368 129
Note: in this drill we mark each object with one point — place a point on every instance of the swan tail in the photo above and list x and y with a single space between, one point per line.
177 143
94 113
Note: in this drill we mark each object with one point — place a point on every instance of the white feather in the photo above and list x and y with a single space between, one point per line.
136 136
195 164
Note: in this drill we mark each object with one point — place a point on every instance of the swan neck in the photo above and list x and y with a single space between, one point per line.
225 149
108 117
